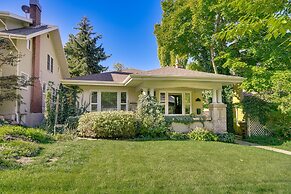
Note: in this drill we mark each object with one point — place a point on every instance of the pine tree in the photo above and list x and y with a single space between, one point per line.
82 52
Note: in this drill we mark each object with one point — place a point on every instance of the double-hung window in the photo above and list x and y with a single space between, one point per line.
50 64
123 101
94 101
187 102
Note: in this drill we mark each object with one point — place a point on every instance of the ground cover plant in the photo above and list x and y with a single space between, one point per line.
17 142
108 166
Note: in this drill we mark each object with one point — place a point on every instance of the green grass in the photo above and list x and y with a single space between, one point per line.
151 167
271 141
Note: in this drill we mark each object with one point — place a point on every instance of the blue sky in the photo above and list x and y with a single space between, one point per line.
127 26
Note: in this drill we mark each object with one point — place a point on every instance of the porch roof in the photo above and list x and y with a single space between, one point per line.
132 77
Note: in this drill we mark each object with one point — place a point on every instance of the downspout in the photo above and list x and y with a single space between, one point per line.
17 69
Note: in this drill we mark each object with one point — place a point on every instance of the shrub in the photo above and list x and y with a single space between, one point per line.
226 137
177 136
9 132
201 134
115 124
16 149
71 124
151 118
7 164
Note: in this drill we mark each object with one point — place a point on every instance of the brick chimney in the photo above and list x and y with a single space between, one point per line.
36 90
35 12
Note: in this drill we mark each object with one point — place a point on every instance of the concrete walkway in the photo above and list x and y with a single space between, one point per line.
244 143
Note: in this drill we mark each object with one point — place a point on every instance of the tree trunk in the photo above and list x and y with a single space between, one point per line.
212 60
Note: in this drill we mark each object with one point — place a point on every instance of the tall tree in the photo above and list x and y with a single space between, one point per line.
83 53
10 84
246 38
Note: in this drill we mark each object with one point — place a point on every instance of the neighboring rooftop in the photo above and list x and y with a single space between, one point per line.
7 14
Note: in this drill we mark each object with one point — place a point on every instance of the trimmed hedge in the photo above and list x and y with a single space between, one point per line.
108 125
10 132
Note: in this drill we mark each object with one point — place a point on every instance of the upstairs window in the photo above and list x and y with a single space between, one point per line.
28 44
50 64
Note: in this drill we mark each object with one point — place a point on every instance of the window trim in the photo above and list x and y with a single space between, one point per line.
44 91
99 100
28 44
50 63
183 101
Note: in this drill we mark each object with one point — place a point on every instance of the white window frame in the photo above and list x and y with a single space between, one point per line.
122 103
94 103
183 101
25 74
50 63
28 44
99 100
44 89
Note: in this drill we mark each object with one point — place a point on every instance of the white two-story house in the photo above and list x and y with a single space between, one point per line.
42 58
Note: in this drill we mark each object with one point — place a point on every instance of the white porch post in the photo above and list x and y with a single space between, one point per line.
219 98
152 92
218 112
214 96
145 91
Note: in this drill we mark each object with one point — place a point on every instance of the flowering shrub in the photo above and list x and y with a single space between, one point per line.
151 118
201 134
108 125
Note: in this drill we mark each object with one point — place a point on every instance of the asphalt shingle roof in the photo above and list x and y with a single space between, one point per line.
116 76
26 31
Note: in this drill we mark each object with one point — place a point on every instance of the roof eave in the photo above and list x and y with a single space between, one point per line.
91 83
17 17
26 37
184 78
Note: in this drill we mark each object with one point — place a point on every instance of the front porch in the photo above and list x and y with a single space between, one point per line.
185 108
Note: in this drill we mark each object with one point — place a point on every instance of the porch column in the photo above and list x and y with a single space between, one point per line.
145 91
218 117
152 92
214 96
219 98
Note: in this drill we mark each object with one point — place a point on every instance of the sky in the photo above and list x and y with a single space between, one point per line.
127 26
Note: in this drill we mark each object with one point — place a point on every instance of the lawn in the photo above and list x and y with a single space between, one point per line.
271 141
152 167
